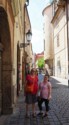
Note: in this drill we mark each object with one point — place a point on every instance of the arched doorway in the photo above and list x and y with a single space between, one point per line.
5 65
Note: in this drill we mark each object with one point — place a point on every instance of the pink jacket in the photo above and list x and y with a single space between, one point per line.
45 89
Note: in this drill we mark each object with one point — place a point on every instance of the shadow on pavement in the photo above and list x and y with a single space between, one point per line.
58 83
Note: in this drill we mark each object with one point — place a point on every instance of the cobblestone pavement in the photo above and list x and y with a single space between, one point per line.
58 113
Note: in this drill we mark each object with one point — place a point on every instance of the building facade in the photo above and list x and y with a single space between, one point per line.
6 56
48 38
29 58
59 22
57 14
12 34
26 48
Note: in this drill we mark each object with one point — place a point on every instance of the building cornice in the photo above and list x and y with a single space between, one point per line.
45 8
56 14
61 5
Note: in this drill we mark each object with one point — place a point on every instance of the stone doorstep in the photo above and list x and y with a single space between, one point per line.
3 119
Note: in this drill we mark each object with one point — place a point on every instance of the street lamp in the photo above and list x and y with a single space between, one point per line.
28 37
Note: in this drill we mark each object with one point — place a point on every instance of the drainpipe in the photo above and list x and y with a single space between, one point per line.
67 17
1 50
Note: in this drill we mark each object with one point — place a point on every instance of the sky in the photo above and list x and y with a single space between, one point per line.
35 9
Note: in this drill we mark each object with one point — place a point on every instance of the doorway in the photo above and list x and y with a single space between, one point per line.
5 65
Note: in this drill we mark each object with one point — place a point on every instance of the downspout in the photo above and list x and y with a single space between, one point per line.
67 17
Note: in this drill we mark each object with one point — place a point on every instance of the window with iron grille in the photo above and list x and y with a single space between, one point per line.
58 40
58 65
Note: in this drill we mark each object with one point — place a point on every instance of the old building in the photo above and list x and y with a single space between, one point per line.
27 48
6 55
29 56
48 38
12 34
56 13
59 22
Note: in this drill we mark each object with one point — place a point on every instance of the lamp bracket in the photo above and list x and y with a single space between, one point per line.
22 45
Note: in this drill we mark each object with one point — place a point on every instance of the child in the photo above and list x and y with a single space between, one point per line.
45 95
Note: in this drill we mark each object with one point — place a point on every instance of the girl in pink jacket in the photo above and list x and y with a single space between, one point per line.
45 95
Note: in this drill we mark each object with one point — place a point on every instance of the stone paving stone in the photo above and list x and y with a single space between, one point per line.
26 122
58 114
46 121
52 123
65 123
39 121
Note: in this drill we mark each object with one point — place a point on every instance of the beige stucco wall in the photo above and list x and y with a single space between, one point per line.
60 27
48 53
30 55
48 33
20 13
18 38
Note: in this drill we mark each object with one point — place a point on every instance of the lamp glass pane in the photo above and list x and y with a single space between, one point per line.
28 36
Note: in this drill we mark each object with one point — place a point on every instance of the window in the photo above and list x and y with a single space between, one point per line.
58 65
44 44
58 40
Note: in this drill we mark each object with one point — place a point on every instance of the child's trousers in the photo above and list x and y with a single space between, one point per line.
46 101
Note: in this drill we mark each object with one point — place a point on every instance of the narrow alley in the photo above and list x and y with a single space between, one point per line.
58 113
34 34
